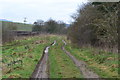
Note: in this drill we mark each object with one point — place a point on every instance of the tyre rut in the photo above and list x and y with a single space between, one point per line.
42 68
81 65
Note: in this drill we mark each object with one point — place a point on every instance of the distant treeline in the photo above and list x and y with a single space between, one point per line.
51 26
96 24
11 29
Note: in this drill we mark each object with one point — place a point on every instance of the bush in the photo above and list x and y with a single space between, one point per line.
96 25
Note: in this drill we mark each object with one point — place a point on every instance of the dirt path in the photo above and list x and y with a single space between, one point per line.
42 68
87 73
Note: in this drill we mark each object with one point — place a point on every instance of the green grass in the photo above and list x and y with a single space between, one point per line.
19 26
30 56
24 27
61 66
105 64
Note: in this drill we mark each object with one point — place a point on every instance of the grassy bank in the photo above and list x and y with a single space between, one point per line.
105 64
61 66
18 26
29 50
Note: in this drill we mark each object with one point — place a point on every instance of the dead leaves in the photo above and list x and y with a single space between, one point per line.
15 76
114 66
39 42
110 58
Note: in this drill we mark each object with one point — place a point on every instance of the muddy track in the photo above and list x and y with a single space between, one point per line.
42 68
81 65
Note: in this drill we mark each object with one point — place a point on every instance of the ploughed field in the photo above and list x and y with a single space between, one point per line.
27 58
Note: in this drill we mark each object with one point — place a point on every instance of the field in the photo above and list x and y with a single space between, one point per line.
29 50
18 26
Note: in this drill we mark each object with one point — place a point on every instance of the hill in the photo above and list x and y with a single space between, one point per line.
19 26
5 20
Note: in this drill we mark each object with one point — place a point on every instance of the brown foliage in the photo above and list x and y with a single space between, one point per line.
95 25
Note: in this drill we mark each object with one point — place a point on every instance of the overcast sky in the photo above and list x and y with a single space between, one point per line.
16 10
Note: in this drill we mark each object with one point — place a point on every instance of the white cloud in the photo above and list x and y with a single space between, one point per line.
16 10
